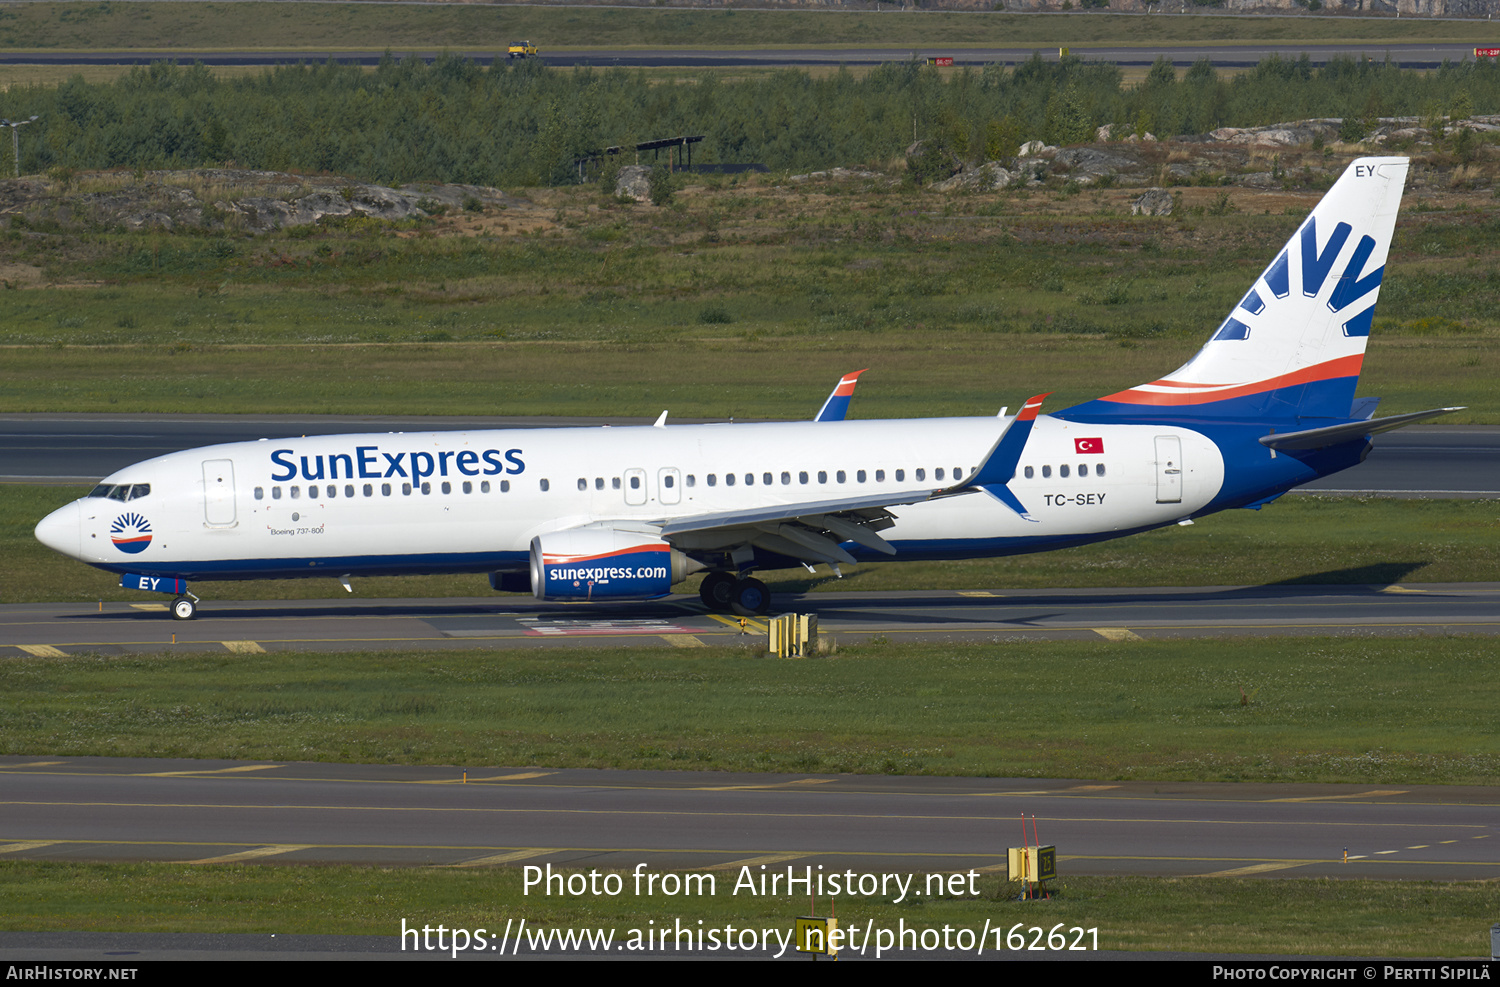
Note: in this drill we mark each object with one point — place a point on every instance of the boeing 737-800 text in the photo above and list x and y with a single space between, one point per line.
626 513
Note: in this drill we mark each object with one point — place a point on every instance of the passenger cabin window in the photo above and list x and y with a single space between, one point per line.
369 490
749 479
1062 471
468 487
275 493
1083 469
296 492
260 493
937 474
900 476
921 475
880 476
712 480
406 489
802 476
1030 472
427 487
545 486
447 488
505 486
786 478
728 479
1046 472
667 481
582 483
822 476
349 490
766 479
484 486
1099 470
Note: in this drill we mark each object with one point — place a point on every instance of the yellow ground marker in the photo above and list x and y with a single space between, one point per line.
976 592
1117 634
244 647
262 851
770 858
1256 869
502 858
683 641
1401 589
149 606
23 847
42 651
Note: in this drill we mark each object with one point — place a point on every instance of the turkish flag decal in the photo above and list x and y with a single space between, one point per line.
1089 447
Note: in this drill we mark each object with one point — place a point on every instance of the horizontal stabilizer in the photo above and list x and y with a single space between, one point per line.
1318 438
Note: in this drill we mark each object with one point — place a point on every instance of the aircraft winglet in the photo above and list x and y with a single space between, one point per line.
837 405
999 467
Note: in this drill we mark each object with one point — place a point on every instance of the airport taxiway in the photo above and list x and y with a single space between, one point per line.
200 812
56 629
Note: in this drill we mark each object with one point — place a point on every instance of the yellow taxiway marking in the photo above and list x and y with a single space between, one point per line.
1355 795
769 858
36 764
20 847
149 606
743 624
263 851
799 783
976 592
244 647
1255 869
460 781
502 858
1089 788
1117 634
683 641
42 651
240 769
1401 589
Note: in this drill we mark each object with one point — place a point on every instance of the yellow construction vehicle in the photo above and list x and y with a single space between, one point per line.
521 49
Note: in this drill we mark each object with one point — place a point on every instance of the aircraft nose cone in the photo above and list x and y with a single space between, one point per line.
60 530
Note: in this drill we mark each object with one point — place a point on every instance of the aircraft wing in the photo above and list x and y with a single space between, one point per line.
813 531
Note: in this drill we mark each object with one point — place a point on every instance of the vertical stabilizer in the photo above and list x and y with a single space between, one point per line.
1293 346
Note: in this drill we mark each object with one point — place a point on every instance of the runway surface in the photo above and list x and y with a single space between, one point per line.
118 809
1434 461
56 629
1408 55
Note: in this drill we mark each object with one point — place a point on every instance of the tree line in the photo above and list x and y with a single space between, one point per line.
524 123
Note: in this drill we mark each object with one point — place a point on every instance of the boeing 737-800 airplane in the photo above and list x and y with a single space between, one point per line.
626 513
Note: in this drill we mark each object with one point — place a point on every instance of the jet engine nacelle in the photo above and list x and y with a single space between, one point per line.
605 564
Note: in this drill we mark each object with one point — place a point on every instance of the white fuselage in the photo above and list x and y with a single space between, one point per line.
473 501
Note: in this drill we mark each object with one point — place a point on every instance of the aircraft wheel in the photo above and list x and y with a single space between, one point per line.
183 608
716 590
751 598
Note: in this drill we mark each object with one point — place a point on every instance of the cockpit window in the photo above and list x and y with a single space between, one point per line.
121 491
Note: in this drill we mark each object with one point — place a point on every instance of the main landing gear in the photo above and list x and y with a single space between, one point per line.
184 608
724 592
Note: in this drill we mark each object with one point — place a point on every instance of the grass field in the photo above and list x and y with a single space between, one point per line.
322 27
739 299
1413 711
1209 915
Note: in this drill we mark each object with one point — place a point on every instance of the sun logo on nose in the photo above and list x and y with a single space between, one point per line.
131 533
